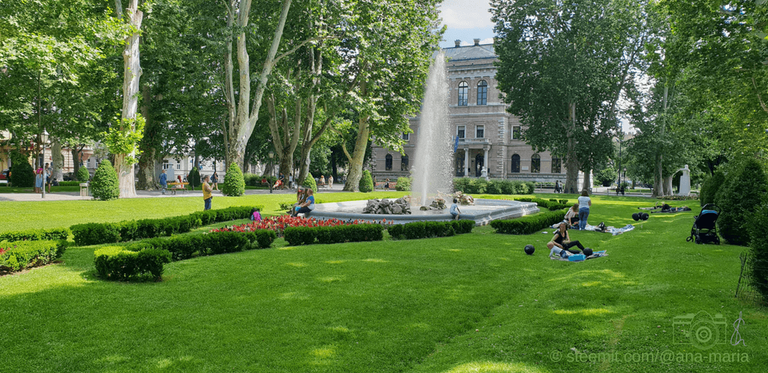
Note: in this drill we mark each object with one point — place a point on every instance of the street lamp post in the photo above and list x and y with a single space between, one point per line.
43 140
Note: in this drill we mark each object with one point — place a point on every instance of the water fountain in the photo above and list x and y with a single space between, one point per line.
432 173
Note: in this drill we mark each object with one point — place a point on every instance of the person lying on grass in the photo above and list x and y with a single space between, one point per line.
561 241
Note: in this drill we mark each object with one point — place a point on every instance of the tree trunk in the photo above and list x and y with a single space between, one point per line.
75 160
148 176
57 161
571 162
358 155
658 177
131 76
586 184
668 186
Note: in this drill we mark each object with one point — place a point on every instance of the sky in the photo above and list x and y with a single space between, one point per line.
466 20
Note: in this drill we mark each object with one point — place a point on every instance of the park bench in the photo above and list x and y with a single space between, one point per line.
175 186
381 184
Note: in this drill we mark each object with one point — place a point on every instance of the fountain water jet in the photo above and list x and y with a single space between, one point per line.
432 164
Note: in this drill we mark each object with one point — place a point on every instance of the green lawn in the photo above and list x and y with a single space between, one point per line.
54 189
470 303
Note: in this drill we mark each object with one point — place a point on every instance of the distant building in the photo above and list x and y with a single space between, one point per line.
487 134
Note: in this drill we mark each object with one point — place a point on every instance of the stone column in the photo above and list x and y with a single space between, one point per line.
466 162
685 181
485 161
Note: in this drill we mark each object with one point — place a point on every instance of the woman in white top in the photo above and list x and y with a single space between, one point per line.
584 203
572 216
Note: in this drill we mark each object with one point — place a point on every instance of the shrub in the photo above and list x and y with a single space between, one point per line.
403 184
710 187
105 184
117 263
252 179
366 182
22 174
528 224
95 233
461 184
552 204
338 234
738 199
759 251
309 182
16 256
83 175
418 230
477 186
493 186
234 185
36 235
194 178
69 183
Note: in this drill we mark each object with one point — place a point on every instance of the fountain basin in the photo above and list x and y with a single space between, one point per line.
482 212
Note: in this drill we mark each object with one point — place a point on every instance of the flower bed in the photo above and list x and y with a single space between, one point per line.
279 223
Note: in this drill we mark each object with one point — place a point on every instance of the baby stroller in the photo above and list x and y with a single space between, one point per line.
704 227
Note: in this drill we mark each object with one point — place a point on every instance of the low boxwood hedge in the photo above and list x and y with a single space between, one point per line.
102 233
552 204
423 229
36 235
15 256
187 246
117 263
69 183
338 234
528 224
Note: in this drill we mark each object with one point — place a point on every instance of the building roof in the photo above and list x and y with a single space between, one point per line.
471 52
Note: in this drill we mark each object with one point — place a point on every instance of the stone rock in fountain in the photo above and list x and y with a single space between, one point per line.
388 207
438 204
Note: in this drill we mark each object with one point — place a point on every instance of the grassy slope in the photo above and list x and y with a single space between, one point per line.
389 306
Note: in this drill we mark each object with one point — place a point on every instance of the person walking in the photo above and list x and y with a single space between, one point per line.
584 204
207 197
163 181
48 174
330 181
215 180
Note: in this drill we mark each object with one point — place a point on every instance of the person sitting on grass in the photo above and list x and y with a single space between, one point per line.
572 216
309 203
255 215
455 211
562 241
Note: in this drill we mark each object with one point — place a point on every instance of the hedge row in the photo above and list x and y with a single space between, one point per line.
101 233
492 186
528 224
36 235
148 256
69 183
427 229
552 204
117 263
15 256
338 234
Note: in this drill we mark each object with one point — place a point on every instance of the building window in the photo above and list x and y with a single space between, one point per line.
404 163
482 93
555 165
406 136
166 165
388 162
515 132
479 132
515 163
461 131
178 166
463 94
535 164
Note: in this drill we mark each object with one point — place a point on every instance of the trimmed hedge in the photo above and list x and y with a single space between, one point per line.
234 184
101 233
739 197
528 224
759 250
429 229
403 184
117 263
492 186
710 187
36 235
22 174
309 182
69 183
552 204
338 234
83 175
15 256
105 185
366 182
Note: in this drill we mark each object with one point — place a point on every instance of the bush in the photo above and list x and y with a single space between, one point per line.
710 187
738 199
95 233
234 184
552 204
16 256
83 175
194 178
309 182
528 224
68 183
759 251
252 179
366 182
417 230
22 174
36 235
117 263
326 235
403 184
492 186
105 184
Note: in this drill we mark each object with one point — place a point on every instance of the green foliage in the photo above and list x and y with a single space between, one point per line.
759 250
118 264
124 137
338 234
309 182
95 233
234 184
529 224
83 175
36 235
711 186
418 230
105 185
366 182
606 176
194 178
403 184
492 186
552 204
738 199
22 174
16 256
255 180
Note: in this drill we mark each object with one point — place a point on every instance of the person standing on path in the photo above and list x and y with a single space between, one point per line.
163 181
330 181
584 204
207 197
215 181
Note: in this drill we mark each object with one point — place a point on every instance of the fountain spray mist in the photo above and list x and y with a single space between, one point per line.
434 149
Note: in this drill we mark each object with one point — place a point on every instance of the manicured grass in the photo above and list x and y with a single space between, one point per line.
54 189
469 303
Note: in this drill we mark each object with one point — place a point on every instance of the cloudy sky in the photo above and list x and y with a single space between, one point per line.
466 20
